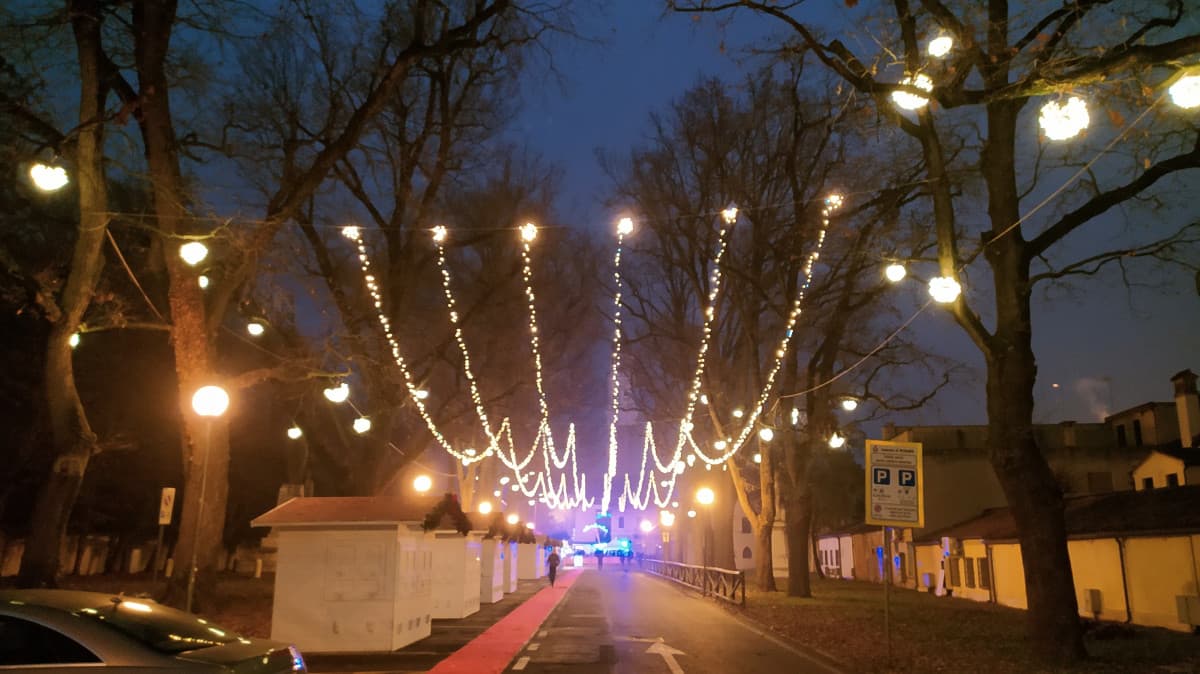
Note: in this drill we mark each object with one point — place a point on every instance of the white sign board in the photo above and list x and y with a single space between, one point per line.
166 505
895 484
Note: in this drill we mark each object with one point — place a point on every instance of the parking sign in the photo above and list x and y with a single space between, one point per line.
895 484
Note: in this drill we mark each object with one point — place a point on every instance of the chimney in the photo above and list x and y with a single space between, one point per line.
1068 430
1187 407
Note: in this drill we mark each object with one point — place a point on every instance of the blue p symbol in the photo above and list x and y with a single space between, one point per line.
908 478
882 476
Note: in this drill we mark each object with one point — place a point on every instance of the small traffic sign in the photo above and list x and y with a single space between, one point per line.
166 505
908 478
882 476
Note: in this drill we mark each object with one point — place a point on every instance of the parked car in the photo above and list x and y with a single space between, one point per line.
66 630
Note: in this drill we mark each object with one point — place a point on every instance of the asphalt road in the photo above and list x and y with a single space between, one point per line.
615 621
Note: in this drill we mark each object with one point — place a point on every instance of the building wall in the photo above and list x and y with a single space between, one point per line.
973 565
846 545
1008 575
959 484
830 560
1157 467
1096 565
928 557
1158 570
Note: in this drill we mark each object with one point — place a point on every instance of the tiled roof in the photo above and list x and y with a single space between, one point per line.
1175 509
314 510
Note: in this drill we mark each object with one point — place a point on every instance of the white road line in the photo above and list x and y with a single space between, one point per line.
521 664
534 647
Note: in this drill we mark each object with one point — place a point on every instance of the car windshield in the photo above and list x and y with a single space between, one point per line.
162 628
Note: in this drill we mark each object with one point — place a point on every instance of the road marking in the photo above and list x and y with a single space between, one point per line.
668 653
521 664
534 647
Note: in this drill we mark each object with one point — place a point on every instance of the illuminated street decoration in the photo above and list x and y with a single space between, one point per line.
1063 121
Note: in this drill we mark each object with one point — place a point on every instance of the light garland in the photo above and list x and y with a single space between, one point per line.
1063 121
910 101
832 203
624 226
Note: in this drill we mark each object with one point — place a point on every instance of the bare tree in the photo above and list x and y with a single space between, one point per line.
1004 58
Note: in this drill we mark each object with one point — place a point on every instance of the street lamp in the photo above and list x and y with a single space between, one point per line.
485 508
513 518
209 402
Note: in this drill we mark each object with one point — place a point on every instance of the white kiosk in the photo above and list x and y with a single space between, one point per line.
456 573
531 561
353 574
491 564
509 555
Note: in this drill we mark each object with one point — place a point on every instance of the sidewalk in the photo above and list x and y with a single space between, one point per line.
495 627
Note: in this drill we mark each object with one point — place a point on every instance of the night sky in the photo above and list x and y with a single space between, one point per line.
1106 347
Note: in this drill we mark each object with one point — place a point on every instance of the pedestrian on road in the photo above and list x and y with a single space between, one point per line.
552 562
599 559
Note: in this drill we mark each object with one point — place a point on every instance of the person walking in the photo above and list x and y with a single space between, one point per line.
552 562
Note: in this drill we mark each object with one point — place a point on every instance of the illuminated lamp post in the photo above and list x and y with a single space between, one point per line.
209 402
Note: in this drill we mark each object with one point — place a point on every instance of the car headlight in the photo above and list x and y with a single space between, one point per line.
297 660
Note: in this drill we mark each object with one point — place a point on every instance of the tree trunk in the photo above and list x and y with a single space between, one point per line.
813 544
797 525
205 442
721 515
764 568
72 436
1036 502
1034 496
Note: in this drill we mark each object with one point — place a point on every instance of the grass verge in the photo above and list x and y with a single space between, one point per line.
845 621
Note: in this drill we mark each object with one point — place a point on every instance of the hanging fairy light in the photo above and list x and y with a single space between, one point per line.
48 178
944 289
1185 92
624 227
729 215
337 394
836 441
73 340
895 272
757 457
832 203
203 281
294 433
1062 121
362 425
420 394
739 413
849 403
352 232
439 235
909 101
795 417
255 329
940 46
765 434
193 253
529 232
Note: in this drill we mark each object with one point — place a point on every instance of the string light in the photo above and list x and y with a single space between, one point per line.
836 441
48 178
895 272
203 281
944 289
1062 121
910 101
1185 92
362 425
832 203
295 433
73 340
849 404
193 253
624 227
337 394
765 434
255 329
940 46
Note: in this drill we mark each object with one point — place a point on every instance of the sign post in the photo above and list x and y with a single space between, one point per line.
166 506
895 498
